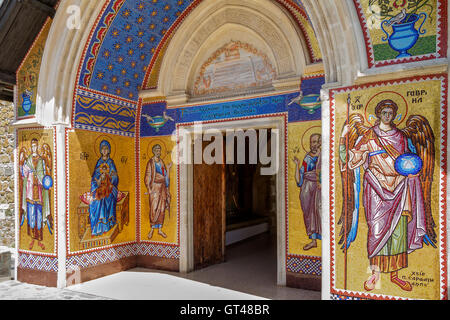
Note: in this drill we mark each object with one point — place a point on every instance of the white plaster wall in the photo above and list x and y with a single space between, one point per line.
60 61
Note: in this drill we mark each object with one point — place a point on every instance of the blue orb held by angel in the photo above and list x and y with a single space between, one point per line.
408 163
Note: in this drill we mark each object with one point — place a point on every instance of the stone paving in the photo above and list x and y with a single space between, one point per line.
14 290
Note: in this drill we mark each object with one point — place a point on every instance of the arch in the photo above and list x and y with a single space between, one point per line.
340 40
59 69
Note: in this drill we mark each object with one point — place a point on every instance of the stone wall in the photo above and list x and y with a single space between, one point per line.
7 143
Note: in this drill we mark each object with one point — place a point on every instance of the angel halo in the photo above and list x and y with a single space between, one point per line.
398 99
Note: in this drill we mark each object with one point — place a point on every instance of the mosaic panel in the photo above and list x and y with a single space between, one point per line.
387 202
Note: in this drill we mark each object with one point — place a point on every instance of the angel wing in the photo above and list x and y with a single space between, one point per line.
350 181
421 142
46 154
22 158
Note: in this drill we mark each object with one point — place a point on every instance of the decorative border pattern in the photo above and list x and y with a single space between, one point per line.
108 255
441 38
158 250
37 262
304 265
102 256
442 192
344 298
106 104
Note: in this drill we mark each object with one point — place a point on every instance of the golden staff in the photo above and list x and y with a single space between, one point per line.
346 186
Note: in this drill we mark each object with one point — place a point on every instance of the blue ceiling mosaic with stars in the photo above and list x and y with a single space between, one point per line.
129 44
125 40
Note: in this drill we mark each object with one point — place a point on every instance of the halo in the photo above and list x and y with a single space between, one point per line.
33 135
402 111
307 136
164 150
97 143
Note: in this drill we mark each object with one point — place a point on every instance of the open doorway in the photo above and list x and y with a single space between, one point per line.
232 202
249 216
251 204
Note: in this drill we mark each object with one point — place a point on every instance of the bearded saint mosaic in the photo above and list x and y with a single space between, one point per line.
157 181
307 176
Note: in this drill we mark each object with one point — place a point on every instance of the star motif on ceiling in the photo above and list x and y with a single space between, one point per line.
126 13
141 6
134 37
140 20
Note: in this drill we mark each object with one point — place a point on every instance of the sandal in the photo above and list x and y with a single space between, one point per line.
404 285
370 283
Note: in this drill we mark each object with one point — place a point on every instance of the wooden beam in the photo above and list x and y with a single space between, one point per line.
48 10
8 13
8 77
6 94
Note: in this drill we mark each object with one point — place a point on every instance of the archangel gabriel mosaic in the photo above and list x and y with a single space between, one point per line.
35 182
398 165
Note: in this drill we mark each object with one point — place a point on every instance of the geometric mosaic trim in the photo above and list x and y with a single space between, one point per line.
343 298
103 130
34 262
97 111
303 265
105 97
109 255
100 257
157 250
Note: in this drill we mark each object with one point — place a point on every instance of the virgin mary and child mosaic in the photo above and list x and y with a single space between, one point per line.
105 205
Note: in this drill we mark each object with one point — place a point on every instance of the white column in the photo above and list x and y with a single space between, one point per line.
61 206
325 195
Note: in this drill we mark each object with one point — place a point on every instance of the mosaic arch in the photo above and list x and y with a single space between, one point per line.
130 34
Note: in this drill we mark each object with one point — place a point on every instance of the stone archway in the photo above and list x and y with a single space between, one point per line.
263 24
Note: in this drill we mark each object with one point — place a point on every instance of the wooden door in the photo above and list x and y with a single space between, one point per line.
209 215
